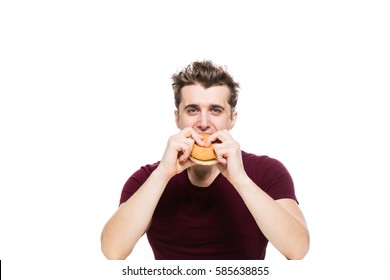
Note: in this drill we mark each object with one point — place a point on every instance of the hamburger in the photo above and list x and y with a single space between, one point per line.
203 155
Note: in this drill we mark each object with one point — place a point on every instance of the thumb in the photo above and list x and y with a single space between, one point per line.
188 163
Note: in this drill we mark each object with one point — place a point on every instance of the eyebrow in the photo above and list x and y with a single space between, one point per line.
191 106
216 106
212 106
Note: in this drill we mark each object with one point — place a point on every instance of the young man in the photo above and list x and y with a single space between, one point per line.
229 210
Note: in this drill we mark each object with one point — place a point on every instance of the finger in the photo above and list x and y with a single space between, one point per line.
222 159
188 164
184 156
222 153
198 139
185 149
219 136
189 132
222 168
186 132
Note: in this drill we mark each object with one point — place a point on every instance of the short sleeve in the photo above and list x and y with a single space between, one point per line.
136 181
271 176
279 183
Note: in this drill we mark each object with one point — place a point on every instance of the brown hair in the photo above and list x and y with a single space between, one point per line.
207 74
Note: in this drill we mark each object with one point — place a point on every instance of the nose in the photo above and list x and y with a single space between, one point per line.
203 122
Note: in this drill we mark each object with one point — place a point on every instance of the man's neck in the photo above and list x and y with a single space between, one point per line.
202 176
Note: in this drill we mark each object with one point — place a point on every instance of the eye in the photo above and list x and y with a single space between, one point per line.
192 110
216 110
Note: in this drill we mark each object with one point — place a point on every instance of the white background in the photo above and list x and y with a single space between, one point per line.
86 100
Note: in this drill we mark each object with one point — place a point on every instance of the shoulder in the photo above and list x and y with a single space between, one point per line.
145 170
136 180
270 175
253 161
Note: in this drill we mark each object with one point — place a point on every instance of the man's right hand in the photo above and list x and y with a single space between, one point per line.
133 218
175 159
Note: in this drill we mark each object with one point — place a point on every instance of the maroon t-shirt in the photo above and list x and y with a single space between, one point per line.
192 222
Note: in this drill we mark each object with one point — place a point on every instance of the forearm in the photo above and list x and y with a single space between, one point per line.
132 219
281 222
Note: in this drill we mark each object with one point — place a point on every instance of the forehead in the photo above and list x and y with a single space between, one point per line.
197 94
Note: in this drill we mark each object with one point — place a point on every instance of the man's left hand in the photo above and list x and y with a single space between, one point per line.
228 153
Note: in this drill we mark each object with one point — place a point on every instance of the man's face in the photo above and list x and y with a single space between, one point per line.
205 110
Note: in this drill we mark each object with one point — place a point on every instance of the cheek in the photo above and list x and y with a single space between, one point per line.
184 122
220 123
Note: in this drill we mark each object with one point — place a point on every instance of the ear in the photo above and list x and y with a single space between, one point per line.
233 119
177 118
